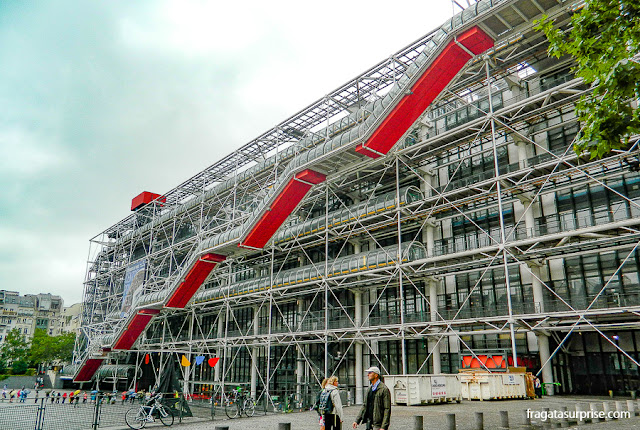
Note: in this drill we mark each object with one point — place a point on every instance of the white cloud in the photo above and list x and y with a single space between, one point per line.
24 152
107 99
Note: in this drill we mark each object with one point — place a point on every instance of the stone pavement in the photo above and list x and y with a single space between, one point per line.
434 416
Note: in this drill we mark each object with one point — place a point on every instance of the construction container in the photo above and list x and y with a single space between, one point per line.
493 386
413 390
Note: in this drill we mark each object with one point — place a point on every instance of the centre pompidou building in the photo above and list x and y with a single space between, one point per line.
429 215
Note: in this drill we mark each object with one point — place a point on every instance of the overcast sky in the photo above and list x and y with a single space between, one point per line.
101 100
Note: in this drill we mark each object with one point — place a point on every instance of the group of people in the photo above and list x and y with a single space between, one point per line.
56 397
39 383
20 395
132 395
376 408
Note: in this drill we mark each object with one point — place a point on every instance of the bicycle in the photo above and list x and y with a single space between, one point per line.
137 418
238 403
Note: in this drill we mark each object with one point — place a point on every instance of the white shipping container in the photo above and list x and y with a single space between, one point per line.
491 386
413 390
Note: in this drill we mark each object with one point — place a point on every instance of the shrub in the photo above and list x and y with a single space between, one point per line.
19 367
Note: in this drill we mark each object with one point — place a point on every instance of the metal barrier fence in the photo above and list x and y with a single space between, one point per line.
105 411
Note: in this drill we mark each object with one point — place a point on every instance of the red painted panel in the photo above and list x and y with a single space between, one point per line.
360 149
424 91
311 176
135 327
145 198
88 369
281 208
194 280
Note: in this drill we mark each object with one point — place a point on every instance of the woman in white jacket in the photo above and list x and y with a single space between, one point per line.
333 420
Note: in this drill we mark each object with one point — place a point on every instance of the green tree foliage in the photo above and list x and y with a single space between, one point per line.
47 349
64 347
602 38
42 347
14 347
19 367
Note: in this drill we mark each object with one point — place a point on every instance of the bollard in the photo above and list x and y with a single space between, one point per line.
284 426
579 416
546 423
619 409
564 420
594 412
504 419
479 421
451 421
631 407
418 423
606 407
527 419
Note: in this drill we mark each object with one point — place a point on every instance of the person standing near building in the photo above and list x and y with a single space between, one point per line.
316 405
376 409
537 386
330 405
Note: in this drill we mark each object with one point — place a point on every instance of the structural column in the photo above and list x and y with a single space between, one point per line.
254 353
358 348
216 370
434 346
300 358
359 369
547 373
428 232
543 338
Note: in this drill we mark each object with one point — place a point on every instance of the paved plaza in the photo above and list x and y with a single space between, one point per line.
434 415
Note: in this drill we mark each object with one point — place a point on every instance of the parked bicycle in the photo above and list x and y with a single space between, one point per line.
238 403
137 418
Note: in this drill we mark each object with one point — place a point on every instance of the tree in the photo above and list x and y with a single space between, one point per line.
47 349
43 348
64 347
603 38
14 347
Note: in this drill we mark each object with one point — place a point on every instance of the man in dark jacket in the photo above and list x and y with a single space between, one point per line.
376 410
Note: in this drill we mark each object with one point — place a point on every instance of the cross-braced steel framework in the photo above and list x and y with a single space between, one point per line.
479 240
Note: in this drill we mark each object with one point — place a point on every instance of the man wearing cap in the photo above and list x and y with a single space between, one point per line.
376 410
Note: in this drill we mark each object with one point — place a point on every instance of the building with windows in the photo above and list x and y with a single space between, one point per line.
428 216
29 312
70 318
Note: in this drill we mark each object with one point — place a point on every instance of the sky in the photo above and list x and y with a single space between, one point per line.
102 100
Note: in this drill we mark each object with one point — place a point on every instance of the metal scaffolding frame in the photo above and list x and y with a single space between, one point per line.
502 110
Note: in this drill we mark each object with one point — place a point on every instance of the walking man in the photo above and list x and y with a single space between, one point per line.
376 410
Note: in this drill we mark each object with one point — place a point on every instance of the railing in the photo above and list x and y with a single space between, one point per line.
98 410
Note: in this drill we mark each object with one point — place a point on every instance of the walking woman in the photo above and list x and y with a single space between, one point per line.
331 405
316 405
